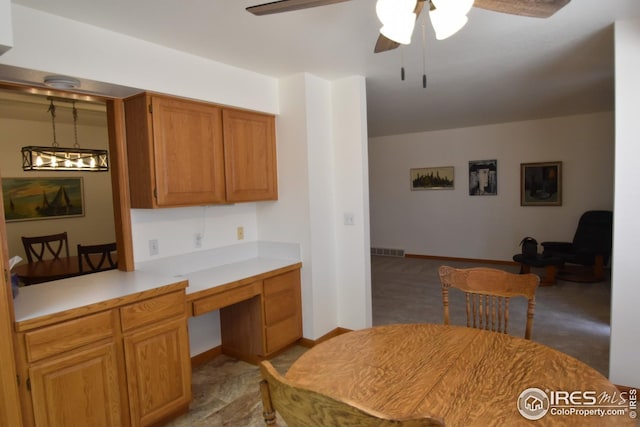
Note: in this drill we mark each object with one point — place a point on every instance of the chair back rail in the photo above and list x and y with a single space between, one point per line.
97 257
301 407
487 294
38 248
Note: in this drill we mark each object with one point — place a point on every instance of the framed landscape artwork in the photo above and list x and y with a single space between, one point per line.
42 198
438 178
483 177
541 184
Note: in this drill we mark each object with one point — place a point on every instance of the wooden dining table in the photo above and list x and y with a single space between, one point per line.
48 270
464 376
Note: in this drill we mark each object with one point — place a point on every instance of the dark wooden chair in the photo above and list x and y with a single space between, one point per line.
301 407
97 257
487 292
38 248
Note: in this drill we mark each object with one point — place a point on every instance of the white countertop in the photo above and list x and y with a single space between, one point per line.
204 270
66 294
216 276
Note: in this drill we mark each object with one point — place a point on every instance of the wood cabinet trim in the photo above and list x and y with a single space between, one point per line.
50 319
68 335
231 285
151 310
226 298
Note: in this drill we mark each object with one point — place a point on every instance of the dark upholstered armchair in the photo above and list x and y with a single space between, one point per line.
591 247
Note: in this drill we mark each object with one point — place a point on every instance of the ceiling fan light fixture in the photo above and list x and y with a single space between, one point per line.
446 24
400 30
397 18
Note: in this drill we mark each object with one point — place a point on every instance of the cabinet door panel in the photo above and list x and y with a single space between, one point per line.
79 389
189 155
158 371
250 156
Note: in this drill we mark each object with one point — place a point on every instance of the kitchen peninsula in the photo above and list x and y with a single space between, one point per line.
116 343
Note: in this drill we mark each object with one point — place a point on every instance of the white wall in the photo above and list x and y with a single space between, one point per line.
625 339
351 175
6 29
452 223
96 226
306 138
322 173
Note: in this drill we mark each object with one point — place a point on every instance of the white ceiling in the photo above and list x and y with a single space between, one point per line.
499 68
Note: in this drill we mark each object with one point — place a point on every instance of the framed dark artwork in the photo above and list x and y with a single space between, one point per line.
541 184
28 199
483 177
438 178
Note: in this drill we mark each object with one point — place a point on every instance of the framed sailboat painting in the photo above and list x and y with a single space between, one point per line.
42 198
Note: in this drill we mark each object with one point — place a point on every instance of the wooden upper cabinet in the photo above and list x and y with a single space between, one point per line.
250 156
175 152
185 153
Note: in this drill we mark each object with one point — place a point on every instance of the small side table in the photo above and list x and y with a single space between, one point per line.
550 265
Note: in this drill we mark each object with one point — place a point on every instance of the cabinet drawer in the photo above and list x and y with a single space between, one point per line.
152 310
280 306
283 282
66 336
281 297
226 298
282 334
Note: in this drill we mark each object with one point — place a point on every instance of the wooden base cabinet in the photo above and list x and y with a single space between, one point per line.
128 365
78 389
158 372
265 324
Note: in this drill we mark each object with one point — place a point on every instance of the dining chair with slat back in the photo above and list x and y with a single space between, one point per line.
38 248
93 258
487 292
301 407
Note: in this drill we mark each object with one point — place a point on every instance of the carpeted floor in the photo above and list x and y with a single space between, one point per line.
570 317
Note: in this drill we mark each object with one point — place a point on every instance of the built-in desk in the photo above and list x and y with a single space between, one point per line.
256 288
259 302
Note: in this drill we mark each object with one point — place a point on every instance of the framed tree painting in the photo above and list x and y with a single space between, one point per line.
438 178
483 177
541 184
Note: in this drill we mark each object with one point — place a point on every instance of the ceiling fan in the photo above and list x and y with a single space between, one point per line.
531 8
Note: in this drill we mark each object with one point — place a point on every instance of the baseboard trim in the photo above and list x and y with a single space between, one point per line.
205 357
455 259
306 342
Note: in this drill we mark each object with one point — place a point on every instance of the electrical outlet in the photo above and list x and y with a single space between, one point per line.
197 240
240 233
154 249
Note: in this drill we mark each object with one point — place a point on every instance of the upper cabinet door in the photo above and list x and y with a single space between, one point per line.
175 152
250 156
187 140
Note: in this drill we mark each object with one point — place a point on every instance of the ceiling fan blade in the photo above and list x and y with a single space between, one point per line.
288 5
532 8
383 44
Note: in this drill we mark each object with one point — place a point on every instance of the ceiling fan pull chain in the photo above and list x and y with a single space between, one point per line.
424 56
402 63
